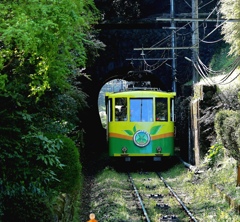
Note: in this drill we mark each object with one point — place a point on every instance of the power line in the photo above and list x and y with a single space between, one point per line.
200 68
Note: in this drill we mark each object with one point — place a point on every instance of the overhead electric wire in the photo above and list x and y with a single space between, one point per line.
212 42
187 3
225 83
211 71
199 66
199 70
208 82
212 31
168 38
206 4
232 68
155 65
215 8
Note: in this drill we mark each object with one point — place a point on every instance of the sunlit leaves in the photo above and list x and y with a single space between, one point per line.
42 44
3 79
49 35
231 30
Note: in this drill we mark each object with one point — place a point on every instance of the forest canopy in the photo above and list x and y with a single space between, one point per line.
44 41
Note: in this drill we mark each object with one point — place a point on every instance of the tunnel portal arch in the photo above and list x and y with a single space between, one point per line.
116 83
95 134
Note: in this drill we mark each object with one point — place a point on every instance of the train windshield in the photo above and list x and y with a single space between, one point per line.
141 110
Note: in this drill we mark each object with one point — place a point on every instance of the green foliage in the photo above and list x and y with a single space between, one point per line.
3 79
25 177
30 158
28 168
214 153
231 30
32 166
45 40
221 59
227 124
213 102
58 113
44 47
38 208
69 176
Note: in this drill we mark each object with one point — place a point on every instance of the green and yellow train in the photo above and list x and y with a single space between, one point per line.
140 123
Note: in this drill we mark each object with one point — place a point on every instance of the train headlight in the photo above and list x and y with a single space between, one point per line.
124 149
159 149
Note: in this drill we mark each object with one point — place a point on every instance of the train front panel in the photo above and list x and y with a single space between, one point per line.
141 139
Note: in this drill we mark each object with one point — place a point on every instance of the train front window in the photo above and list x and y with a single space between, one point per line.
121 109
161 109
141 110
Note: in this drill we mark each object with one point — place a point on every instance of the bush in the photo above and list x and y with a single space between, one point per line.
32 195
214 153
70 175
27 207
227 124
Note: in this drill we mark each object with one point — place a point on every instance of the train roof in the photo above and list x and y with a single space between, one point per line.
141 92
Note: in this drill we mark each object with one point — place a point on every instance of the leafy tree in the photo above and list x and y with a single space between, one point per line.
231 30
44 47
44 40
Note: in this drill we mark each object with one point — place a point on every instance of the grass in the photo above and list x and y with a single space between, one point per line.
196 190
112 196
150 184
111 199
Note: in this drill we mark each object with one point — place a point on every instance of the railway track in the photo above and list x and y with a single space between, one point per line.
157 199
112 197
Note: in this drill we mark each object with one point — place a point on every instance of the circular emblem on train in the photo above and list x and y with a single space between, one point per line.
141 138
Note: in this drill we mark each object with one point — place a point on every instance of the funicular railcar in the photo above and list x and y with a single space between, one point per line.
140 123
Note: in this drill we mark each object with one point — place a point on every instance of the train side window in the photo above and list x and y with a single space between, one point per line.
141 110
121 109
161 109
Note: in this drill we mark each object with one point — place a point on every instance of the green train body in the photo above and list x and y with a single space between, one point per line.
140 123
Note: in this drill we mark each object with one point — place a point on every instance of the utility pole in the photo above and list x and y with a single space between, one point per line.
195 38
195 101
173 44
195 51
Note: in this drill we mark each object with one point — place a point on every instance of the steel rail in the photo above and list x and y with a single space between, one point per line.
139 198
178 199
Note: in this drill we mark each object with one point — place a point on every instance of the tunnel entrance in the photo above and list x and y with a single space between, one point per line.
94 150
115 85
